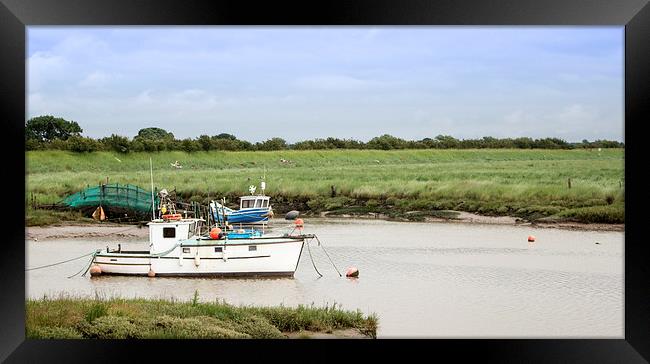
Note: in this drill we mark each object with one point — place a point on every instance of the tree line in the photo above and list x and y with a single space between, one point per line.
49 132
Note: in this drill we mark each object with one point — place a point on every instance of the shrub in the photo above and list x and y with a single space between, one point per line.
47 332
109 327
82 144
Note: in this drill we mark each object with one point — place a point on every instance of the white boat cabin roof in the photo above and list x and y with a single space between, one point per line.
252 201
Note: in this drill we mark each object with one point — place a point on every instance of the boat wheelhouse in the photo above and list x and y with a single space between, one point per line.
177 249
253 209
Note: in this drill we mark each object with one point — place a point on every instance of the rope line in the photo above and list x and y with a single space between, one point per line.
62 262
312 259
328 256
165 252
87 268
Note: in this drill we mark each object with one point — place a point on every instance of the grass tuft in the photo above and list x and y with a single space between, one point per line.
117 318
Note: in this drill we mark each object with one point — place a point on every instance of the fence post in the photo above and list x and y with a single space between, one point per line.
569 182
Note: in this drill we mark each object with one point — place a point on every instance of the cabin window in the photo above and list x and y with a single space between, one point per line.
245 203
169 232
265 203
218 249
252 248
258 203
186 250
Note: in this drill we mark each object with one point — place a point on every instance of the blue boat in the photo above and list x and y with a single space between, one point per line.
252 210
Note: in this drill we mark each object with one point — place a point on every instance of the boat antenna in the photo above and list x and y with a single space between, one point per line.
263 183
153 203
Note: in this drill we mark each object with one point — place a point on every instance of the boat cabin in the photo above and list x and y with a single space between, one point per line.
163 235
254 202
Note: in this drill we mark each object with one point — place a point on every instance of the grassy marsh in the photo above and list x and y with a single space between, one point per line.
531 184
117 318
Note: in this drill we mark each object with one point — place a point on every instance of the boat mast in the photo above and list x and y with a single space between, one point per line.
263 183
153 203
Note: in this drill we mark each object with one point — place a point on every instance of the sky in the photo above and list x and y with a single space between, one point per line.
358 82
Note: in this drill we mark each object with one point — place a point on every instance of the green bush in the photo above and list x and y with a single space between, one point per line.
200 327
82 144
609 214
110 327
47 332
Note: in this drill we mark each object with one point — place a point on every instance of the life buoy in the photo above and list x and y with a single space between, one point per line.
172 217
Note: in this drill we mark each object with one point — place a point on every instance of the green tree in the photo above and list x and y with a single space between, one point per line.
272 144
205 142
117 143
386 142
225 136
47 128
189 145
154 134
81 144
447 141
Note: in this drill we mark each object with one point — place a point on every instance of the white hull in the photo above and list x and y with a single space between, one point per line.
270 256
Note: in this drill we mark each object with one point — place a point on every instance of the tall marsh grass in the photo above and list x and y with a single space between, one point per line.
497 181
117 318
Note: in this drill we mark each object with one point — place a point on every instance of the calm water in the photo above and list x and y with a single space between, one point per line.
422 279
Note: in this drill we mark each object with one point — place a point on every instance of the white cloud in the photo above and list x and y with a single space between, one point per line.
577 113
347 82
97 79
335 83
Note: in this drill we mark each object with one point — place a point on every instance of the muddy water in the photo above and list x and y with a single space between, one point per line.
422 279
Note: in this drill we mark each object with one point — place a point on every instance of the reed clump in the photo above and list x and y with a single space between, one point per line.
117 318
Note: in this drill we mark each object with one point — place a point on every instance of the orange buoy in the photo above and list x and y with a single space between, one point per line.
352 272
151 273
299 223
95 270
531 238
214 233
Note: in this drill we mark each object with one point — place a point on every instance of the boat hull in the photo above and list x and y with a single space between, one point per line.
244 216
237 257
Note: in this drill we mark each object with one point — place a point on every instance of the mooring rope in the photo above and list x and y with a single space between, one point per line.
166 251
92 260
62 262
328 256
312 259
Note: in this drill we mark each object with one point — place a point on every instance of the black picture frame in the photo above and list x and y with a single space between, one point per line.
15 15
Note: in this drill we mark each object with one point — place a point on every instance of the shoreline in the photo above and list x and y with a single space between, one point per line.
77 230
463 217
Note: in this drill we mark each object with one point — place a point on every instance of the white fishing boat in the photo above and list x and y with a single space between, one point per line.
176 249
181 246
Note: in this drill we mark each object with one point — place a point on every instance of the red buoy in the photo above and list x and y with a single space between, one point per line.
352 272
299 223
151 273
214 233
531 238
95 270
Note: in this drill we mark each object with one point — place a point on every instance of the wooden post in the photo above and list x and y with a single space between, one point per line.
569 182
333 188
